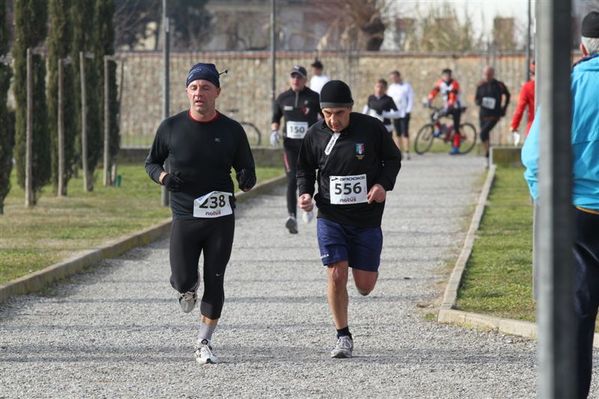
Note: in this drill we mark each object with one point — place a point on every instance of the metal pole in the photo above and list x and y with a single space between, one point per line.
107 180
29 201
273 50
528 39
84 163
164 194
60 118
555 311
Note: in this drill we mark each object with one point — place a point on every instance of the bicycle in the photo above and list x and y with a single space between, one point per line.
254 134
443 131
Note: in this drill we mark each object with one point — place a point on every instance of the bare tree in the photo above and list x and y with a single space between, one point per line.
442 30
357 24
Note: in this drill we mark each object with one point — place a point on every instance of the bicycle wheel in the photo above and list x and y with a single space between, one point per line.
468 133
253 133
424 139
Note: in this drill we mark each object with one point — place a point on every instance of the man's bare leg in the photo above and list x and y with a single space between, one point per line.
365 280
406 145
337 292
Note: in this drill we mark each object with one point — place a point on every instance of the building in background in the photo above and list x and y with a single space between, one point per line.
245 25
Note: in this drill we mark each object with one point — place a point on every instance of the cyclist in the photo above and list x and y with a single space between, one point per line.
403 95
381 106
450 91
202 145
526 100
357 164
300 107
493 98
318 79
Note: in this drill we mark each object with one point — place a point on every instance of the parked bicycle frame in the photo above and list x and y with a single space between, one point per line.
254 134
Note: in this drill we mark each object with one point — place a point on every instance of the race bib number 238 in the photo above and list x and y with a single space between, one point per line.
344 190
212 205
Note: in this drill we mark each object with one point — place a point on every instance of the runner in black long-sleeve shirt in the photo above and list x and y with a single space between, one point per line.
357 163
300 107
202 146
493 98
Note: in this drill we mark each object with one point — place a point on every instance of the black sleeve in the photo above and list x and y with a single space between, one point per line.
277 112
391 160
306 167
317 100
507 95
392 105
244 159
158 153
479 95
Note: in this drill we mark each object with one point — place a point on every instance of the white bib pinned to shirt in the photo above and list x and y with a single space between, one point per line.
213 205
488 102
345 190
296 130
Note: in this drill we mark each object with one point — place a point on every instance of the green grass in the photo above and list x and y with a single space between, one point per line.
56 228
498 276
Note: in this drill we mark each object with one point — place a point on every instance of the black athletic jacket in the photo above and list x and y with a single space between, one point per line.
382 104
303 106
203 154
364 147
493 89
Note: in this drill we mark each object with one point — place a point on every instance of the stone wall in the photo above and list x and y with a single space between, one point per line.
247 86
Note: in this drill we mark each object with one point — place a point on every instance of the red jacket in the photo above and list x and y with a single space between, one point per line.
526 99
449 90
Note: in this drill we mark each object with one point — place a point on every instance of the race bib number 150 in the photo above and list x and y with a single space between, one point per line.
212 205
296 130
346 190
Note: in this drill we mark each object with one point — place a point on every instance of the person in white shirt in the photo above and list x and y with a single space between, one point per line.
318 78
401 92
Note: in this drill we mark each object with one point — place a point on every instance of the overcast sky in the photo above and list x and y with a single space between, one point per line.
482 12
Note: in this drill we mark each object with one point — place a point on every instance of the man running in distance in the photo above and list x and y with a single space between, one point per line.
403 95
300 107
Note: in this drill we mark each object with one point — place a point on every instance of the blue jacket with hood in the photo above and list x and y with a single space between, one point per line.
585 137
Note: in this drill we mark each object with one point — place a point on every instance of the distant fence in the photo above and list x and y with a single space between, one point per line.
247 86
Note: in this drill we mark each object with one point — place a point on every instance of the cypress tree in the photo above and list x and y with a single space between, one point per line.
59 41
30 32
7 132
82 13
104 43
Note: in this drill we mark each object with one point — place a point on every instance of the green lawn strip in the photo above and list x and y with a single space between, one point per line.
498 276
56 228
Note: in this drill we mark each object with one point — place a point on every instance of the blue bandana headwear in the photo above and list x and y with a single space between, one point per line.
205 72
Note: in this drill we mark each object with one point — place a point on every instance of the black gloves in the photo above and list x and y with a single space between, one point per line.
246 179
172 182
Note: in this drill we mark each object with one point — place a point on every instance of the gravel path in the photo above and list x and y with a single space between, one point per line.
118 331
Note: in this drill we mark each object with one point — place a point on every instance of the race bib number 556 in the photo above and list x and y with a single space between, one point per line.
212 205
345 190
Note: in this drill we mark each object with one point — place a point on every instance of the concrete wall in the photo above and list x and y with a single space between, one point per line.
267 157
247 85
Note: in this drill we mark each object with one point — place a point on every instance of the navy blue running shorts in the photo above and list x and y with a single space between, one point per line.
360 246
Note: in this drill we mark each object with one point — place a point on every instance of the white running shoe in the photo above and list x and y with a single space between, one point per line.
188 301
344 348
291 225
204 353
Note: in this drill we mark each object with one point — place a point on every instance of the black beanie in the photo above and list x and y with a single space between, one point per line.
335 94
205 72
590 25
